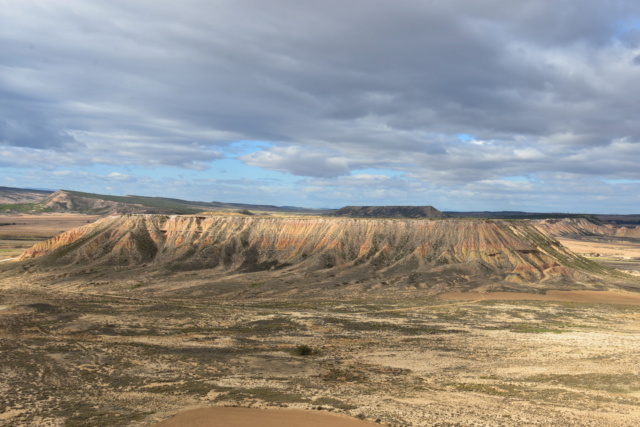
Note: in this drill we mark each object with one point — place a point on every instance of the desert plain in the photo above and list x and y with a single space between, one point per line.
106 348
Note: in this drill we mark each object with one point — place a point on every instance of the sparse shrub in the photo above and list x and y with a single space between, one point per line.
303 350
335 403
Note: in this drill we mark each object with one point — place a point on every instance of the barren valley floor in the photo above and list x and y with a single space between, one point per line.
117 352
20 232
90 359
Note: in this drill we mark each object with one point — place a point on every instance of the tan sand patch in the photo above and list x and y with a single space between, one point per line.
244 417
618 248
42 226
593 297
11 414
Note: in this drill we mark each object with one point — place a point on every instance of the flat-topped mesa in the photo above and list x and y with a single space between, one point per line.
390 212
499 251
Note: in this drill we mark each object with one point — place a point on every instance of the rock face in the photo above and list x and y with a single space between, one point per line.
408 251
569 227
390 212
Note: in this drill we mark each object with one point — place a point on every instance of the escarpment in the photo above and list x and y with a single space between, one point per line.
408 251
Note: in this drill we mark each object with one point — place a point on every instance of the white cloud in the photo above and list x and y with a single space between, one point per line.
298 160
544 87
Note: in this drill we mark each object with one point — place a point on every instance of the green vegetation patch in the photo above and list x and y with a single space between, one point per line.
275 325
405 329
184 387
527 328
536 394
335 403
24 207
266 394
347 374
616 383
303 350
82 414
173 205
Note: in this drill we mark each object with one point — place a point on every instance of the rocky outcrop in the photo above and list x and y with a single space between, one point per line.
470 250
390 212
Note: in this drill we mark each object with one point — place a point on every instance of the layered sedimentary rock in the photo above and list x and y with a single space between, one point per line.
569 227
514 252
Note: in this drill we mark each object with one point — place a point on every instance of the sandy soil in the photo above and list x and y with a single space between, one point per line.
246 417
592 297
20 232
41 226
90 358
619 248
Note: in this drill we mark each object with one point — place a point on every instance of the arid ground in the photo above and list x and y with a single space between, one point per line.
95 359
620 253
115 356
19 232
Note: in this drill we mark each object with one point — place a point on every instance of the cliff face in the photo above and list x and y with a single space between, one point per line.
514 252
569 227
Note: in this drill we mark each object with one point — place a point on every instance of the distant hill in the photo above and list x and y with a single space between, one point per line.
514 215
10 195
389 212
577 227
34 201
622 220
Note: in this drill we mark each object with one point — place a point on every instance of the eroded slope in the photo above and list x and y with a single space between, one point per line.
450 254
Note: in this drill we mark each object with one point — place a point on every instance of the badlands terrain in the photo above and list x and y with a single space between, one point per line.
132 319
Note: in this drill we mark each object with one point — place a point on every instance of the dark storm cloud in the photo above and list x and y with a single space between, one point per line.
336 86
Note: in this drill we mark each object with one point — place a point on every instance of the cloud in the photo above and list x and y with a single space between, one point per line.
332 87
298 161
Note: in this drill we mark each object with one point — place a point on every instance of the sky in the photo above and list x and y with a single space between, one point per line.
530 105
